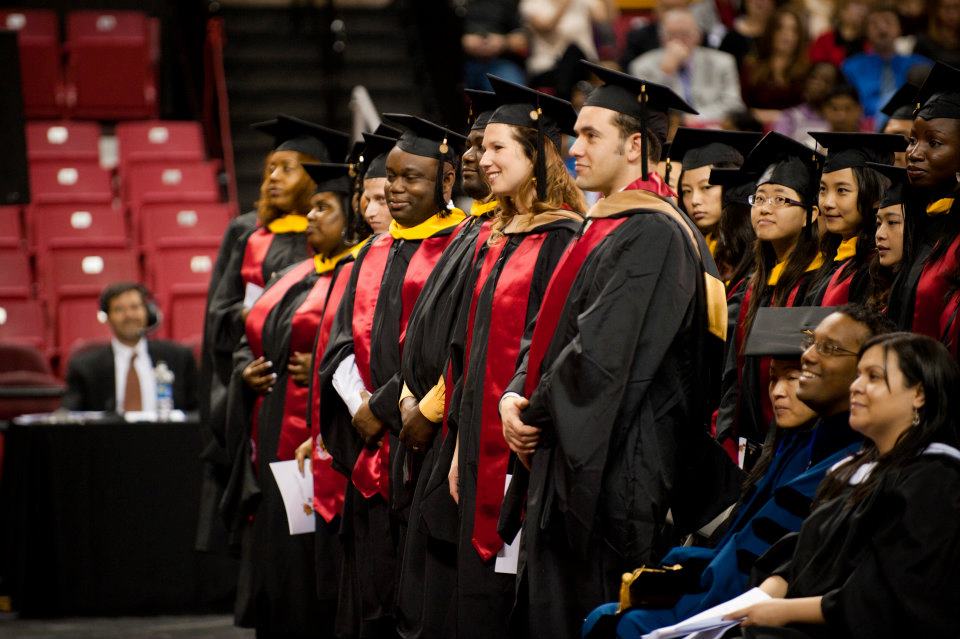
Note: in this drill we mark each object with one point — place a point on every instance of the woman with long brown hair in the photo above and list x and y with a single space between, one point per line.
773 76
538 214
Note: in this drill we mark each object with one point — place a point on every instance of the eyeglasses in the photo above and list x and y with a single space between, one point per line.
776 202
824 348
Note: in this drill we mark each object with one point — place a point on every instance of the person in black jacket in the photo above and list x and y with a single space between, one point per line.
120 376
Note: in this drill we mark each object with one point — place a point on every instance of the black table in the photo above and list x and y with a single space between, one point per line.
100 519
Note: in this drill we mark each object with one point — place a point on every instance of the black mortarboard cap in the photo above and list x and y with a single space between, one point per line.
317 141
902 104
896 192
550 116
330 176
737 185
375 149
694 148
848 150
636 97
426 139
778 159
778 332
482 106
939 97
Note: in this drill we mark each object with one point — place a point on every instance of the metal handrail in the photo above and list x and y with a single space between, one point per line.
218 122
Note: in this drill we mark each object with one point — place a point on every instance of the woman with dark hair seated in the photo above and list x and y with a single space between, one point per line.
890 239
878 558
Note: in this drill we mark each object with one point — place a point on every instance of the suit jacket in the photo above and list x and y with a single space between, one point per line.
714 80
91 378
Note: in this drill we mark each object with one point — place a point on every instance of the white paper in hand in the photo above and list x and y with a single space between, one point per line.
297 493
709 624
509 555
251 294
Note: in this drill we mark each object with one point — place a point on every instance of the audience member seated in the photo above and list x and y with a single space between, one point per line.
493 42
842 110
941 41
645 38
705 78
845 38
913 16
120 376
796 122
878 556
772 77
810 393
879 73
561 34
740 41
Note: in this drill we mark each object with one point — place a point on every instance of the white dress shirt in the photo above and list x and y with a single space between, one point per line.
144 366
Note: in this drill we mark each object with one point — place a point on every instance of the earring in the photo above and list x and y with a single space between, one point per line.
916 416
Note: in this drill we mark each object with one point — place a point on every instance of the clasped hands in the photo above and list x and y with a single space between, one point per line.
521 438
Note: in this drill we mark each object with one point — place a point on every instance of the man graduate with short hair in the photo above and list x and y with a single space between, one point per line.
363 358
611 405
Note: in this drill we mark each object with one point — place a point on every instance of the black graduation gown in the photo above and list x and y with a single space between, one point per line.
886 567
623 405
372 531
484 598
276 590
212 383
428 572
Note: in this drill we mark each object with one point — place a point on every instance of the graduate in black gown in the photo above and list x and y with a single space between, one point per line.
428 575
786 258
878 557
849 193
363 358
537 216
267 421
250 256
611 404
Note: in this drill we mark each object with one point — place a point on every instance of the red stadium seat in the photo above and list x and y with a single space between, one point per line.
70 183
17 281
38 37
11 229
170 182
28 383
57 226
111 70
78 321
179 277
85 272
21 321
190 224
66 141
159 141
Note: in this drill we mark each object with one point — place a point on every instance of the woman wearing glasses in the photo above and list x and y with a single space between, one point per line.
878 556
786 253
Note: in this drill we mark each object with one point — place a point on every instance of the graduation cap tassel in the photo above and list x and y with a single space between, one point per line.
666 171
540 168
442 204
644 168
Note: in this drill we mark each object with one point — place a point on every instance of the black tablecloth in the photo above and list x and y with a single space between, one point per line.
100 519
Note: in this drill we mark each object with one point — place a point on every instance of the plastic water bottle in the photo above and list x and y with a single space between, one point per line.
164 377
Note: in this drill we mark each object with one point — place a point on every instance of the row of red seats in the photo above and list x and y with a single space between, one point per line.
110 69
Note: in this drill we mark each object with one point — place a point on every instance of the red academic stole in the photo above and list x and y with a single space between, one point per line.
507 320
328 484
838 292
258 245
371 473
557 290
256 319
930 302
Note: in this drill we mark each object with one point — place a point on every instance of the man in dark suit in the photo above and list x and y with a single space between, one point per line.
120 376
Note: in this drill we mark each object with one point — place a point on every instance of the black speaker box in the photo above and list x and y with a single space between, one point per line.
14 181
